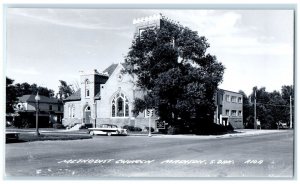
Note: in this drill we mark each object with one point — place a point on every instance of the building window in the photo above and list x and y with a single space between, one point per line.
240 113
73 111
69 111
120 106
240 100
148 113
126 110
87 90
227 98
113 110
233 99
233 113
227 112
50 107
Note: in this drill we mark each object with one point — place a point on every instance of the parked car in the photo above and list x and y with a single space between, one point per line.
107 129
283 125
11 136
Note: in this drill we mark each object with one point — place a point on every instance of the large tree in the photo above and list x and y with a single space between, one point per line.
286 93
64 90
10 95
180 79
17 90
247 111
271 107
32 89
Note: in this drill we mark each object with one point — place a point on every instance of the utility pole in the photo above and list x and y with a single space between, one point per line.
291 111
255 123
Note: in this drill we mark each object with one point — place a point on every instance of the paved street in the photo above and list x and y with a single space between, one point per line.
269 155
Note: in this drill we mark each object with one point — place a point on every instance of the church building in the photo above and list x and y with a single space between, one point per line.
105 97
108 96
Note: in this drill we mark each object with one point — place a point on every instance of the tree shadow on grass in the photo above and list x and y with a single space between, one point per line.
29 137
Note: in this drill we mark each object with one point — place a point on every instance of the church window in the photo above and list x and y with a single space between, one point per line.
120 106
87 90
126 110
69 110
113 112
73 111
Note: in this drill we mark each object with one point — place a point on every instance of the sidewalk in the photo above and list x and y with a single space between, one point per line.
237 133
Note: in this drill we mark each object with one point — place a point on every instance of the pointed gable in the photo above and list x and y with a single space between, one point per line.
110 70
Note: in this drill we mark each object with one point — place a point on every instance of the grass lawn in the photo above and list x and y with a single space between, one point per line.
29 137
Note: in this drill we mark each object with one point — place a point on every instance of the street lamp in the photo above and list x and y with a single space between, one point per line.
37 99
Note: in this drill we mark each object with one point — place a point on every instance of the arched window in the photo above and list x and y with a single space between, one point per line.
120 106
87 88
88 108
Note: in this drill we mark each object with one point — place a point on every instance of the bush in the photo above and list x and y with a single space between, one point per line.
152 129
132 128
28 120
58 126
213 129
172 130
86 126
24 120
128 127
137 129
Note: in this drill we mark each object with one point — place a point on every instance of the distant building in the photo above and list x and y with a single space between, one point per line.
50 109
229 108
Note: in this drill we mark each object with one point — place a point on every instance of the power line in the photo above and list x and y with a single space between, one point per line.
275 105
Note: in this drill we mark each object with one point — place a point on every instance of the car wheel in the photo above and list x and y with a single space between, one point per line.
108 133
92 133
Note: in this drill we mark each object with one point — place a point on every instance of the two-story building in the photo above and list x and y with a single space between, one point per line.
50 109
229 108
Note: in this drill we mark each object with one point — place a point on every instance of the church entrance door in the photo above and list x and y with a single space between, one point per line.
87 115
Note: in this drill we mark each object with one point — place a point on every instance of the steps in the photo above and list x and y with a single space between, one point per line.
76 127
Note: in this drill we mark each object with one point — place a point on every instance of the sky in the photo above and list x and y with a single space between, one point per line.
45 45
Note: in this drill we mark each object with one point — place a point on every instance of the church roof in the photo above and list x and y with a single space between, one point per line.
74 96
112 68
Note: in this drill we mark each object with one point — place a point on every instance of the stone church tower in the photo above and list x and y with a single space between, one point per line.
90 92
143 23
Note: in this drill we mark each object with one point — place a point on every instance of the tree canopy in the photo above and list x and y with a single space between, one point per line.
271 107
64 90
17 90
10 95
170 63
